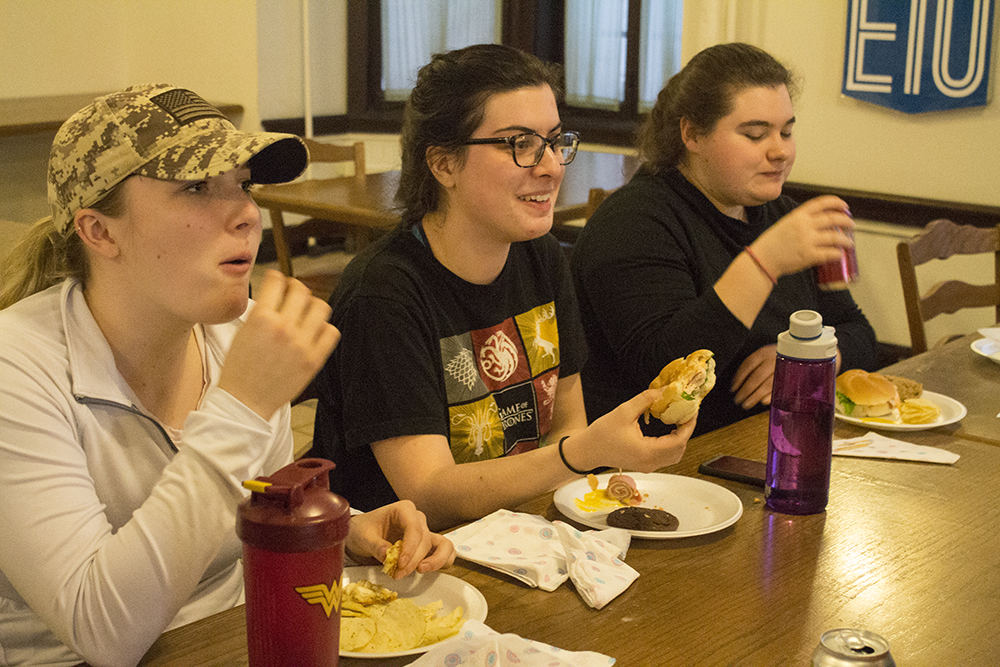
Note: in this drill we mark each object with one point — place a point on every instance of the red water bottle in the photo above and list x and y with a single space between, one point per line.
293 530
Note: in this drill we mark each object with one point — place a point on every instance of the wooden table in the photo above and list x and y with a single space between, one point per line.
368 202
956 371
26 115
910 551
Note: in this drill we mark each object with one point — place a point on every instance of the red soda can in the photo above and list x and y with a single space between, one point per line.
850 647
839 274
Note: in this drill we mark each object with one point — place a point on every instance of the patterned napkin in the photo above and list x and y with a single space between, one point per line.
478 645
874 446
993 333
544 554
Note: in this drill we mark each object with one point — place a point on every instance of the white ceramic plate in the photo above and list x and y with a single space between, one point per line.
701 507
951 412
987 348
422 589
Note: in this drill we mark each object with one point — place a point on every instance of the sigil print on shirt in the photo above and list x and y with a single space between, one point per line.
503 423
461 372
540 331
545 391
501 383
499 356
476 431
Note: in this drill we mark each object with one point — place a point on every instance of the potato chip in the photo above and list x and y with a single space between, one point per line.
355 633
392 558
375 620
441 627
399 629
431 610
366 593
919 411
350 607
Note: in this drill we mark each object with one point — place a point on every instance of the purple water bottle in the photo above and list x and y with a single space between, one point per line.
800 435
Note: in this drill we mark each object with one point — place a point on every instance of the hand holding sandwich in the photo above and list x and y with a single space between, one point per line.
616 440
673 397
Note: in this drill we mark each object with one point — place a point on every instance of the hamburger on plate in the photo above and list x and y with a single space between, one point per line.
862 394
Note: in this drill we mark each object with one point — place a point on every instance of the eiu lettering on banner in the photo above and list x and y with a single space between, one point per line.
919 55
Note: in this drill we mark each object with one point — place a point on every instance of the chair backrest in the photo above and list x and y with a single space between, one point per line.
318 152
323 152
594 199
941 239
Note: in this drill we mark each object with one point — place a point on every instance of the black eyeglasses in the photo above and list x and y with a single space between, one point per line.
529 148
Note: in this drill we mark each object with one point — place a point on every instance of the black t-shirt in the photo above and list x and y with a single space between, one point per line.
425 352
644 268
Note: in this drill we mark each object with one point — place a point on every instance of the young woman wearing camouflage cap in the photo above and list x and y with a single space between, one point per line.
137 391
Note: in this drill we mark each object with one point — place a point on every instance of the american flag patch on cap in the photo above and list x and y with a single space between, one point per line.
185 106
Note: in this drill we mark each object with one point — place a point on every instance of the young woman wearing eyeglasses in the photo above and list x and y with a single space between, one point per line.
456 383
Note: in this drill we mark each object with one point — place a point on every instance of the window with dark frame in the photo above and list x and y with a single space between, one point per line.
536 26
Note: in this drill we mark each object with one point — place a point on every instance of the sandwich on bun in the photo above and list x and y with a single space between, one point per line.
862 394
685 382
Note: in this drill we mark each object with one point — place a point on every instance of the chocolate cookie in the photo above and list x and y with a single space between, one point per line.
642 518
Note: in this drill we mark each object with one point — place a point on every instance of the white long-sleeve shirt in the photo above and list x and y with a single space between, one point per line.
111 532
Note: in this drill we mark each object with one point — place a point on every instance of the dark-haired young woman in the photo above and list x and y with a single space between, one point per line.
461 345
701 250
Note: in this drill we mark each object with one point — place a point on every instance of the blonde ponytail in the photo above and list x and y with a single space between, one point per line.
44 257
39 260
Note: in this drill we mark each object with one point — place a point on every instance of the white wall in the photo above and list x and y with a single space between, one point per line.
249 51
850 144
53 47
279 32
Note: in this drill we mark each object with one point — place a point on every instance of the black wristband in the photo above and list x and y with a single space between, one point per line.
562 455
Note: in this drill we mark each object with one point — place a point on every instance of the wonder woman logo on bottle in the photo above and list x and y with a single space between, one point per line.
326 596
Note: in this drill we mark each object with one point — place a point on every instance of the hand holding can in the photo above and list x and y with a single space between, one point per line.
837 275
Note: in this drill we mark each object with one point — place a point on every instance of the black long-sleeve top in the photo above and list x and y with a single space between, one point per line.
644 268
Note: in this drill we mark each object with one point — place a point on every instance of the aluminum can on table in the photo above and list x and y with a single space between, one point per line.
850 647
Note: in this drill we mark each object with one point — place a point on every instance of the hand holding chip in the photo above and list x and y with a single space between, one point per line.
284 343
372 535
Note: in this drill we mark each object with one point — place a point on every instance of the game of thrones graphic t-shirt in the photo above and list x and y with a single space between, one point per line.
425 352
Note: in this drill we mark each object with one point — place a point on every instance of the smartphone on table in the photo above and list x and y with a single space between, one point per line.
735 468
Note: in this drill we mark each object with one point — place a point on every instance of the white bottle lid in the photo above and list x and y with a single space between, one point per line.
807 338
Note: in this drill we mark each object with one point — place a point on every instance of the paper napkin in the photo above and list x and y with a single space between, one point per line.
544 554
478 645
993 333
874 446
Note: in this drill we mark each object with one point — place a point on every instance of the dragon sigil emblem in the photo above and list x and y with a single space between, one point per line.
498 357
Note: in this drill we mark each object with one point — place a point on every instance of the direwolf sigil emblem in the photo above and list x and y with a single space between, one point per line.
321 594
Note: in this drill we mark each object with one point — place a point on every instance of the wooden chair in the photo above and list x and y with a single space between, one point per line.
321 284
939 240
594 199
567 233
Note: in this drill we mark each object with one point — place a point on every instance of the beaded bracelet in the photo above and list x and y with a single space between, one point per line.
562 455
760 266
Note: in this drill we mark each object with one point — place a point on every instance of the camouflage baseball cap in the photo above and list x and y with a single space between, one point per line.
159 131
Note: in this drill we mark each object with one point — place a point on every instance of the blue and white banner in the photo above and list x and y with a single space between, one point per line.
919 55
